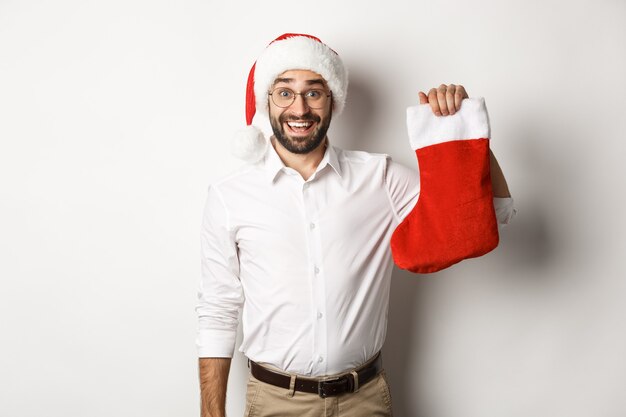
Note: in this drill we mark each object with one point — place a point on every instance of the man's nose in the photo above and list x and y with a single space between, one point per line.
299 105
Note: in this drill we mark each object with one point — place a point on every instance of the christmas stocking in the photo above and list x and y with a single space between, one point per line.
454 217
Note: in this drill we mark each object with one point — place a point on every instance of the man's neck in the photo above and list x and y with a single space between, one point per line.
305 164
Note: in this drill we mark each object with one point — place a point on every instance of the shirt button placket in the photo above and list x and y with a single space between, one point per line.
318 285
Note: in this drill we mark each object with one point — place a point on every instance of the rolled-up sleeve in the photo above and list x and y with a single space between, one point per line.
220 294
505 209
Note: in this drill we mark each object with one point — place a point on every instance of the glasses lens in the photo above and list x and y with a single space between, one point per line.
315 99
283 97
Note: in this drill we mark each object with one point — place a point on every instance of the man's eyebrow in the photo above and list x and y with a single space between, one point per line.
316 81
283 80
309 82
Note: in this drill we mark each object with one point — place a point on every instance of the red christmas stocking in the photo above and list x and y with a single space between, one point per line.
454 218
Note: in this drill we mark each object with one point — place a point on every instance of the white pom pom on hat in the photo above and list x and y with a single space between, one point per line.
249 144
290 51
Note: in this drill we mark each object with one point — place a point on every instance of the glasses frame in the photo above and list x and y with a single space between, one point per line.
297 94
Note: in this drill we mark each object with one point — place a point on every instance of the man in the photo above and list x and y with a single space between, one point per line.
300 239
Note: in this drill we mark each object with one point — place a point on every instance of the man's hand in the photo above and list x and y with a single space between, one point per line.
444 100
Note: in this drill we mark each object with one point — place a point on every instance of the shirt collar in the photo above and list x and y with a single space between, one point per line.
274 165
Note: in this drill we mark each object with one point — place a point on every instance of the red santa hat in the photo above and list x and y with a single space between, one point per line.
291 51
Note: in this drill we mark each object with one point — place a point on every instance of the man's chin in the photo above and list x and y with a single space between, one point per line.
301 141
299 144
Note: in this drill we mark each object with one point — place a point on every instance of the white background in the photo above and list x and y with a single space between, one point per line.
116 115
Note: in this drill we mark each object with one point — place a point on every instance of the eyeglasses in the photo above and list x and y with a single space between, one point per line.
284 97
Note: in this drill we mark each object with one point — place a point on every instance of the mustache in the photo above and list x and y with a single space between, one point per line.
304 118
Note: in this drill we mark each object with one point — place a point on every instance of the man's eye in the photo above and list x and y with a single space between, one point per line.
285 93
314 94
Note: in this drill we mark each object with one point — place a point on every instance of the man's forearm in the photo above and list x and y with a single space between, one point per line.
498 182
213 381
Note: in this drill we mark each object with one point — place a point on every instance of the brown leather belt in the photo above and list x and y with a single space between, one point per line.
324 388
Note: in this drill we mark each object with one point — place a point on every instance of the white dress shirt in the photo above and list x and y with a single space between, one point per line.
309 261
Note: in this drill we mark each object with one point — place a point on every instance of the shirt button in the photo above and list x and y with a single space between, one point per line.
320 359
316 270
312 225
319 315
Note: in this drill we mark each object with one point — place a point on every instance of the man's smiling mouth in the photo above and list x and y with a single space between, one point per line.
300 126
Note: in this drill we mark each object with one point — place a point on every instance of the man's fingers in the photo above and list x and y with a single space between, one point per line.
441 98
459 95
433 101
450 98
445 99
423 98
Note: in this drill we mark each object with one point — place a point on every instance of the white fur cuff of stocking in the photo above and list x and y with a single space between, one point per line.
470 122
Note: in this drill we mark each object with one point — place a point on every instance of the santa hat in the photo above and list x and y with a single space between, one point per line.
290 51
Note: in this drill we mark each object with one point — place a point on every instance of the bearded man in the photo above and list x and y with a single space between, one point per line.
298 240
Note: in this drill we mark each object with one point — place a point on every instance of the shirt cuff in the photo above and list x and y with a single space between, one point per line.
215 343
505 209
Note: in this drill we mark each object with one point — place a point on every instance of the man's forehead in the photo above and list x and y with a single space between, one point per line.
305 76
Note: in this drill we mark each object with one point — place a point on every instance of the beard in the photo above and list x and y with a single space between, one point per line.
300 144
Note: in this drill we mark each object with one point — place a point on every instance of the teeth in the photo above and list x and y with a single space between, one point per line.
299 124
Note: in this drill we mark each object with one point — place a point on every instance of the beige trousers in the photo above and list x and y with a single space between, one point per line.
371 400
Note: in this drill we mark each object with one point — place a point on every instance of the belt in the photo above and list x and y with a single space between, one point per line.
324 388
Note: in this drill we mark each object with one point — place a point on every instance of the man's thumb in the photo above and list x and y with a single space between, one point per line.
423 98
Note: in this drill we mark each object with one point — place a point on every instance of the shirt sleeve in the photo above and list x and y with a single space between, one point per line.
403 189
505 209
220 295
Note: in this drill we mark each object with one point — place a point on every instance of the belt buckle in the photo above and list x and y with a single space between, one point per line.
322 384
320 387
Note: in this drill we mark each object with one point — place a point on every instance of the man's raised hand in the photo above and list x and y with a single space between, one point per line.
444 100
